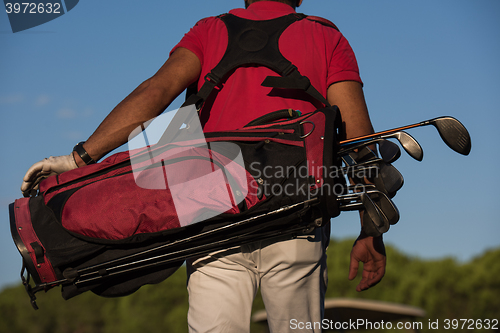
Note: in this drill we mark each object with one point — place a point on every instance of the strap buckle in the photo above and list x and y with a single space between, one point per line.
212 78
290 69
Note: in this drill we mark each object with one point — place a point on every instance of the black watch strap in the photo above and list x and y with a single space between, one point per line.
83 153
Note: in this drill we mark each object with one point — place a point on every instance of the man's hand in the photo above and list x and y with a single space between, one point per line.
370 251
45 168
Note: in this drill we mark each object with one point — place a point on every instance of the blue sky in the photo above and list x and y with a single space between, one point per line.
418 60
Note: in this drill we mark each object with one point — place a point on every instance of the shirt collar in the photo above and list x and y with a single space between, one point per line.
271 6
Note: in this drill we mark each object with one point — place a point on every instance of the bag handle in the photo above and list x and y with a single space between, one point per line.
273 116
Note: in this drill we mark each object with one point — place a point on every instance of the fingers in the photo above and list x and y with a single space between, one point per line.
27 188
370 279
41 176
370 276
33 170
36 173
371 253
29 193
353 268
31 176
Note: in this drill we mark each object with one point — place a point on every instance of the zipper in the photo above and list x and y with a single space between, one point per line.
230 179
110 168
260 138
87 177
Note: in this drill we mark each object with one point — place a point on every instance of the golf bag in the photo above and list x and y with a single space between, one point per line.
86 221
114 226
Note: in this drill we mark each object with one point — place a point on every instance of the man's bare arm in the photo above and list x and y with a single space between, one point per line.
150 99
349 97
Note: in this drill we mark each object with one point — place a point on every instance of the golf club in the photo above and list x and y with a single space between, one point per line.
410 145
385 205
376 221
452 131
385 176
371 228
364 203
389 151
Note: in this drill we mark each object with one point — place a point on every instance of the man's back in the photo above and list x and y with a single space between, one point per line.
320 52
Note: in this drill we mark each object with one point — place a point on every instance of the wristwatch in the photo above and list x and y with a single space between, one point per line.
83 153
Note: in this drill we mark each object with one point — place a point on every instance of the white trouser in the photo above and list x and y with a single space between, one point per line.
290 273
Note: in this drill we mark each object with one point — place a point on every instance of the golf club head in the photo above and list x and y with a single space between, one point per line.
374 223
352 157
369 227
378 211
374 212
389 151
410 145
453 133
388 180
385 205
383 175
359 164
353 199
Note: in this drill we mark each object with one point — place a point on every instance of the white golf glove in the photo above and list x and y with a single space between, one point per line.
53 165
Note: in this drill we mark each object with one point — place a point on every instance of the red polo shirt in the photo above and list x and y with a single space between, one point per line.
320 52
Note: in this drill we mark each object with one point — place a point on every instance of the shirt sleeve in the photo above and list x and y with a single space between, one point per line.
193 39
343 65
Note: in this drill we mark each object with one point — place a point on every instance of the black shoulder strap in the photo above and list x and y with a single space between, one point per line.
251 43
257 43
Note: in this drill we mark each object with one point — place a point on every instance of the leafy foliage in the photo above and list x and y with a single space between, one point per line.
445 289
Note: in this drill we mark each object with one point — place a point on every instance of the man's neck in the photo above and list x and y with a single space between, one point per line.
249 2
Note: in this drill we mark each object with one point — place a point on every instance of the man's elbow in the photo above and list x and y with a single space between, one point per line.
154 92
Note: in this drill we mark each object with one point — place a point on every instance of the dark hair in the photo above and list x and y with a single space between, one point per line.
292 3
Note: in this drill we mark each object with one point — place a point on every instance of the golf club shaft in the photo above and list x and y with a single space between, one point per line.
409 144
377 134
